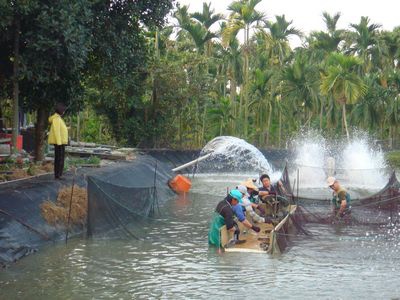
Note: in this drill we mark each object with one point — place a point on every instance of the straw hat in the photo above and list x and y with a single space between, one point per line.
331 180
250 184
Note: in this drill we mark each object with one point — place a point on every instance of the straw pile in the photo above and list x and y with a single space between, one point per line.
17 174
57 213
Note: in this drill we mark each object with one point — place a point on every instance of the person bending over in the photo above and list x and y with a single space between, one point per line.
224 215
249 207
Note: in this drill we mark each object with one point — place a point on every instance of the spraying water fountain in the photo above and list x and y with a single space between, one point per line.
231 154
363 166
309 161
358 165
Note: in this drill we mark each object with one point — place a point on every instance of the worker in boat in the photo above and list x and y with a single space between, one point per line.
249 207
224 215
341 199
252 190
267 189
270 195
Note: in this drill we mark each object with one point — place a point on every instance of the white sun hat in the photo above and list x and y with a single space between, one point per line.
242 189
331 180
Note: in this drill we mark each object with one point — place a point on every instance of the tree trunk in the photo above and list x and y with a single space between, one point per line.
345 121
180 130
78 127
15 105
390 144
41 122
232 94
1 118
268 125
246 82
203 129
321 114
280 129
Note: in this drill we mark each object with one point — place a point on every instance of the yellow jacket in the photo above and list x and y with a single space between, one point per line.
58 134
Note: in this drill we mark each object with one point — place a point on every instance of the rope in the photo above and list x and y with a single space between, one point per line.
337 169
318 237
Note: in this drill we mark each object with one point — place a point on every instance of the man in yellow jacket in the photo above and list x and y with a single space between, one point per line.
58 136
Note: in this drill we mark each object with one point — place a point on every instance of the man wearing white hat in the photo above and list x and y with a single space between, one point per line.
341 198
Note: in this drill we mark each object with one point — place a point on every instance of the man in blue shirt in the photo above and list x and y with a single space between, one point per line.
225 212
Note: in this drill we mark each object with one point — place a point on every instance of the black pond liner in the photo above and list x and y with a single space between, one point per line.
117 194
22 228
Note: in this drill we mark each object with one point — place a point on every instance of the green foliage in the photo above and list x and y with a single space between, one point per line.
79 162
393 159
137 85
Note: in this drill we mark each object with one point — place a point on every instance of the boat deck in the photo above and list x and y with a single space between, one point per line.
262 242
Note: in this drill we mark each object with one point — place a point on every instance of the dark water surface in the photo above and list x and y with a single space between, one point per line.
175 262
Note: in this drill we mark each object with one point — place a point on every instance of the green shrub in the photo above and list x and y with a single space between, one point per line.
393 159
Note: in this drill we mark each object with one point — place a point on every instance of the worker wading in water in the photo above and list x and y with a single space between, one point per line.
341 199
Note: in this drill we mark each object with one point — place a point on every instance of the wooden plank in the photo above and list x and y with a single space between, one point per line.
255 241
108 156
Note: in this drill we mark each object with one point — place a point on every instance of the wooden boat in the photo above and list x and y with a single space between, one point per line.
271 239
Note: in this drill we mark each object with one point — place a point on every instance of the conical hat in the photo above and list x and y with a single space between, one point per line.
250 184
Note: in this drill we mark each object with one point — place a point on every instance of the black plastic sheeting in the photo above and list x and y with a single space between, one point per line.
139 186
22 227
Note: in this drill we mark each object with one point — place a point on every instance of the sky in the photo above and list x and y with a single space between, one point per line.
307 14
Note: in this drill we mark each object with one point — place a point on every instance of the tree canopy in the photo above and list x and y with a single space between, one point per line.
181 83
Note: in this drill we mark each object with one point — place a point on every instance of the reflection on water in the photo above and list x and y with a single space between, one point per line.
175 262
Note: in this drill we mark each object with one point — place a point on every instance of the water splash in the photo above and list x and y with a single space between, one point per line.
310 158
362 165
357 164
232 154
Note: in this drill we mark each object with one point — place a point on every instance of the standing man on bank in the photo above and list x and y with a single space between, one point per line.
58 136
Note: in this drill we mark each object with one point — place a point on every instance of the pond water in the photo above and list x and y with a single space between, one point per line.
174 261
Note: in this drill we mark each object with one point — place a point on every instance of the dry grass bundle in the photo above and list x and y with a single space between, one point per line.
48 167
17 174
57 213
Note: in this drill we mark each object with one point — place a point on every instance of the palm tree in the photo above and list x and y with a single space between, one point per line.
342 82
276 42
221 115
207 18
262 102
243 16
370 112
198 33
300 82
277 39
363 42
327 41
234 64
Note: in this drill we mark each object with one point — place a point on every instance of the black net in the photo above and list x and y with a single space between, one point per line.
124 198
380 208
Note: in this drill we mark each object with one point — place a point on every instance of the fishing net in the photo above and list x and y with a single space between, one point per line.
124 198
378 208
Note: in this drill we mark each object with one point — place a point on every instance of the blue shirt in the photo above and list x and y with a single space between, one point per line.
238 211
